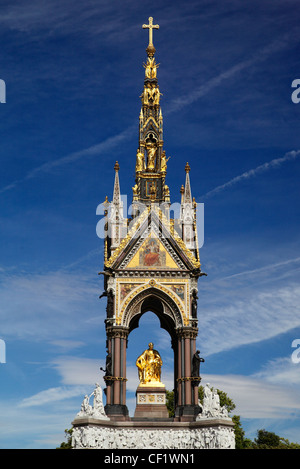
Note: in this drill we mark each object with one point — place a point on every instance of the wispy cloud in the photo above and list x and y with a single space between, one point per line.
41 304
76 371
175 106
205 88
269 267
98 149
256 398
52 395
246 316
275 163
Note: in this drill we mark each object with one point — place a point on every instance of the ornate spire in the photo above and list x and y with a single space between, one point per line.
117 193
151 159
187 198
116 215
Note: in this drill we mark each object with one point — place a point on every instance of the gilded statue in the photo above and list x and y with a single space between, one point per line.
151 95
151 68
149 366
156 95
140 162
163 162
151 149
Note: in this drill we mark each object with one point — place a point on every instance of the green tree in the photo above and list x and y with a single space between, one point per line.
67 444
240 441
170 403
269 440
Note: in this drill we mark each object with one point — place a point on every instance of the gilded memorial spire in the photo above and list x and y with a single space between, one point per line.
151 264
151 159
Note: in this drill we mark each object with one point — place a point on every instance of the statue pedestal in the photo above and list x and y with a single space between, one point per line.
90 433
151 402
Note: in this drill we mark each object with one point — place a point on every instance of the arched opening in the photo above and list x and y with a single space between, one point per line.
125 345
148 329
152 302
152 316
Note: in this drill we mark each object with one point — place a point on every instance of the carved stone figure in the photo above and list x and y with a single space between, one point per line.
98 407
117 438
97 410
211 405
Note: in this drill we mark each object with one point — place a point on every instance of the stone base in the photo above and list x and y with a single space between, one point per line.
117 412
89 433
151 403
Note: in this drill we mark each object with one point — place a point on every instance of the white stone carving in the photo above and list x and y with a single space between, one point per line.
219 437
97 410
211 407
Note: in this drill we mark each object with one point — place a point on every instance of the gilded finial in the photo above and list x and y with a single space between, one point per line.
187 168
117 166
150 49
182 189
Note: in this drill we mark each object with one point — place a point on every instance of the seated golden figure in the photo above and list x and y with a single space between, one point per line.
149 366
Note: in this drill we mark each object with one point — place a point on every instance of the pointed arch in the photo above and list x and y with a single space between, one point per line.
160 303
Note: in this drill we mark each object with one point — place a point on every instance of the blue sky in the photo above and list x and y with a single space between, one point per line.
74 74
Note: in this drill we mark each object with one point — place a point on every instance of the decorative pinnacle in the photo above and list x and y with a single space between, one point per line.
117 166
187 168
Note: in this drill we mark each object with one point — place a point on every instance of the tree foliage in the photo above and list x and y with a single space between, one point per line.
269 440
67 444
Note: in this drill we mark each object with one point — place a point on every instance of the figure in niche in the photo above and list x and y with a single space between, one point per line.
140 161
156 95
145 95
151 95
166 191
110 304
149 365
194 305
151 153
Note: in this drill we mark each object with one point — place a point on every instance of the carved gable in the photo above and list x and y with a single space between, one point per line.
150 245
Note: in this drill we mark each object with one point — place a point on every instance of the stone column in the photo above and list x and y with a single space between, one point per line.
185 407
116 407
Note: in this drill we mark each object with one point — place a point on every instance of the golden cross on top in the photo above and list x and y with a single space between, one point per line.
150 26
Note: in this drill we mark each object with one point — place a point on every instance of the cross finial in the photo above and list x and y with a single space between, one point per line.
150 26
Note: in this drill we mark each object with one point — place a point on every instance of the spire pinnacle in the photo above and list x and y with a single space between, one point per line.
187 198
117 193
